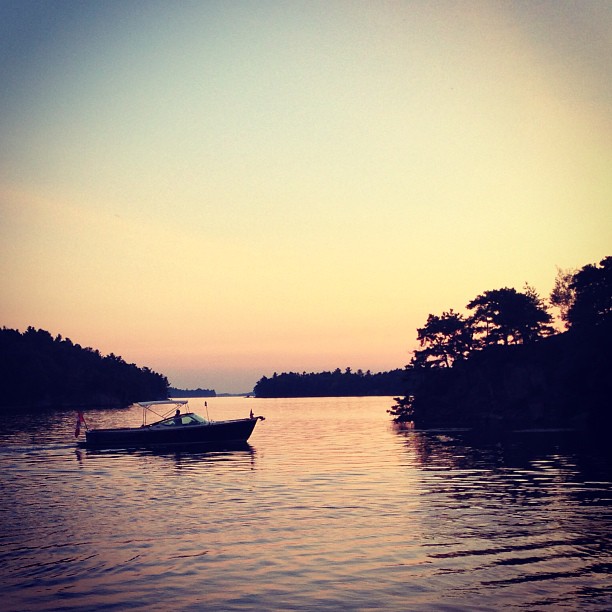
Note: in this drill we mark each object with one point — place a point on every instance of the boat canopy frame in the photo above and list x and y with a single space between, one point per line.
147 407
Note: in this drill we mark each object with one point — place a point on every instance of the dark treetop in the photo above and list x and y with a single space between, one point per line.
504 366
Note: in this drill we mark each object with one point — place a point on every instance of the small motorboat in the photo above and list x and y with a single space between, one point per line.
183 428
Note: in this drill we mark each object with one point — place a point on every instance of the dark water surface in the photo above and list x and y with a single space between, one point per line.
329 508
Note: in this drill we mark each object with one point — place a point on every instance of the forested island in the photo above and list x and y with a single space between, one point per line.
40 371
174 392
504 365
331 384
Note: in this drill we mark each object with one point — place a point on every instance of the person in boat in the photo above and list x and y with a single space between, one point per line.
177 417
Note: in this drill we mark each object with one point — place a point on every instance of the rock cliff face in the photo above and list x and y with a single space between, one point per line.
562 381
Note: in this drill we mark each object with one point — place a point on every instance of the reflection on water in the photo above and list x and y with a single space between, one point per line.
182 455
532 508
327 507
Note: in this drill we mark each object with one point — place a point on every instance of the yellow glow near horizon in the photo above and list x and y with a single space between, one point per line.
220 191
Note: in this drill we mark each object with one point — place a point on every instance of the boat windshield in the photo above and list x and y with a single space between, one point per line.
183 419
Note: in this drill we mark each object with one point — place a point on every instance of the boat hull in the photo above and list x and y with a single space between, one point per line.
211 434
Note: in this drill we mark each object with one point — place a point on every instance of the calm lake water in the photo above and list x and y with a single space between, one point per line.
329 508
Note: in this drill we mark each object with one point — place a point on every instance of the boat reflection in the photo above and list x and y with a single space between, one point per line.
180 455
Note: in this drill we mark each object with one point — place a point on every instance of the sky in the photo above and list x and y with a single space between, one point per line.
221 190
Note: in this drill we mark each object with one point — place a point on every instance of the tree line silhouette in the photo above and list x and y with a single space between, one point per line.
331 384
41 371
506 364
199 392
502 361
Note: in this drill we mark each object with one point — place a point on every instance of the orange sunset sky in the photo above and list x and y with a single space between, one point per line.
221 190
